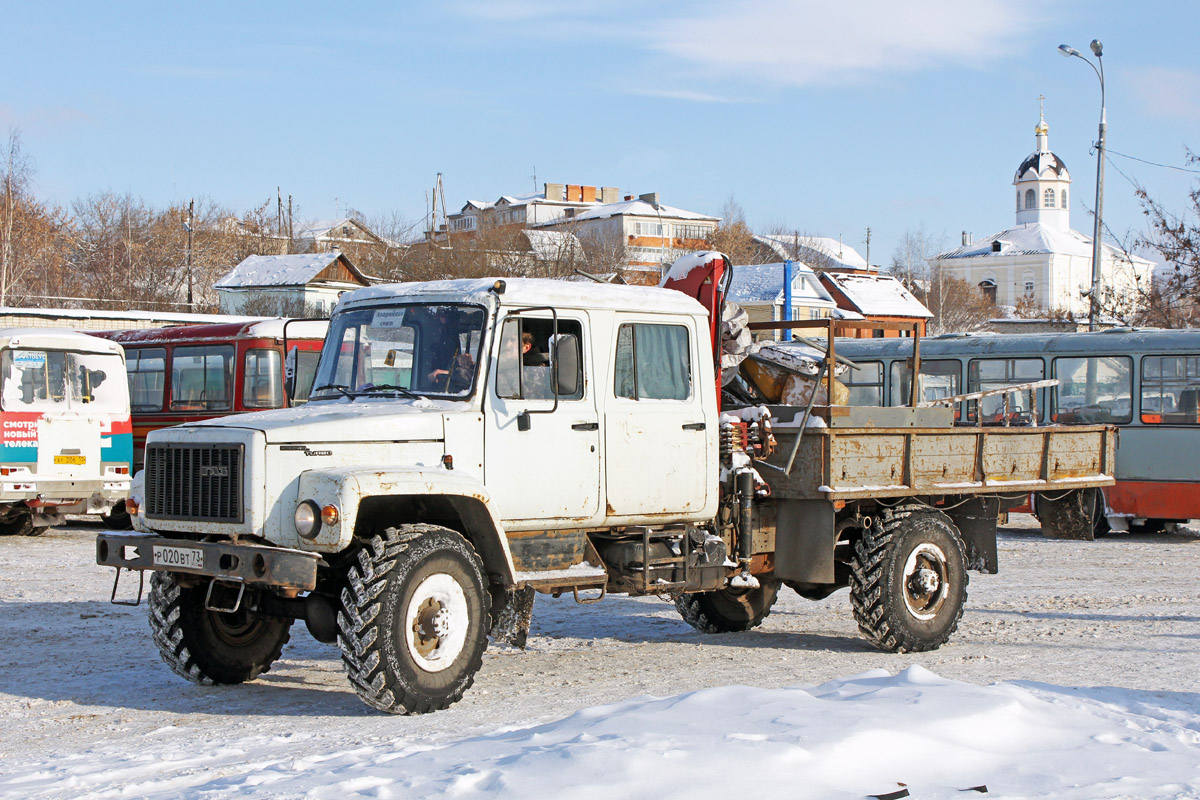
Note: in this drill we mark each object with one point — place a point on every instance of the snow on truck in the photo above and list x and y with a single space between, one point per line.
469 443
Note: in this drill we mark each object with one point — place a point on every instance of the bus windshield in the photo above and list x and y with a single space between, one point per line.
61 380
428 349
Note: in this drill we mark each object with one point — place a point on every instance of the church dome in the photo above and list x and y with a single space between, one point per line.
1039 163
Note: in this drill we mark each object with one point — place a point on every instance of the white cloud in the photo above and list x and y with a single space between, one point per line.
814 42
1168 93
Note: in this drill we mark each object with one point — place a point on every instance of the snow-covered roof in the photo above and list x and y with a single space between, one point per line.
763 283
132 315
815 251
877 295
1037 239
52 338
290 270
639 208
531 292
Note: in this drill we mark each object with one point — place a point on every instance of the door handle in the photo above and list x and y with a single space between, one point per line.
694 426
586 426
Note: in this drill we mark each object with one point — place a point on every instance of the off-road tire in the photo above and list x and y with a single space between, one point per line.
1077 514
890 608
22 525
415 588
209 647
728 610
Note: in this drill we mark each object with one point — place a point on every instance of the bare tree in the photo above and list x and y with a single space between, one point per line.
1175 301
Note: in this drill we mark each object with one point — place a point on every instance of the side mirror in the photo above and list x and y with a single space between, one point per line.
565 375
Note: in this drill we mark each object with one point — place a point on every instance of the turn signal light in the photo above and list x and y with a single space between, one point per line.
131 507
329 515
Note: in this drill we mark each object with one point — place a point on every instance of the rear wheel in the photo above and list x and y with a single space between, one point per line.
908 580
208 647
728 610
414 619
20 525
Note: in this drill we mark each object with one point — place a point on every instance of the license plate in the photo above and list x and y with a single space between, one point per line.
78 460
184 557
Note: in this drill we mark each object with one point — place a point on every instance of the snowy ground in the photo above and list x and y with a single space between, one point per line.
1075 673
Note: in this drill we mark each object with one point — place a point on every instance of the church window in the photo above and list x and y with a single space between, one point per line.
1049 202
1029 288
1064 198
1018 199
1030 198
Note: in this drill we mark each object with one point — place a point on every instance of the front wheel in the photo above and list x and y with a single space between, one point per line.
414 619
728 610
117 518
208 647
908 581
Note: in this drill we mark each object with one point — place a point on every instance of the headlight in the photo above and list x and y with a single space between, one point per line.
308 520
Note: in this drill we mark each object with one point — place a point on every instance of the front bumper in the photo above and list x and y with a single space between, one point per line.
246 563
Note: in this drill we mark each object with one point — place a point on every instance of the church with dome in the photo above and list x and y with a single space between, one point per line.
1040 258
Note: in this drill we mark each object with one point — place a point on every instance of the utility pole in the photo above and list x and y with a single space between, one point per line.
189 226
868 248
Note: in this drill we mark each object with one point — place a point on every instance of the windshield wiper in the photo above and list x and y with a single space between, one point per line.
345 390
387 387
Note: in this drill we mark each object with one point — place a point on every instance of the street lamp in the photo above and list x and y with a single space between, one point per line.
1097 247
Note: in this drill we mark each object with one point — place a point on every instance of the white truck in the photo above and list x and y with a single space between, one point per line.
470 442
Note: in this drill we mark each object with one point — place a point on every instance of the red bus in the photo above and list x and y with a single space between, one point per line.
197 372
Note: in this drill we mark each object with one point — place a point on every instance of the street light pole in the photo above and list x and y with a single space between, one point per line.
1097 244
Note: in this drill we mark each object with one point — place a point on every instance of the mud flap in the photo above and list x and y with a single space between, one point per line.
512 612
1068 516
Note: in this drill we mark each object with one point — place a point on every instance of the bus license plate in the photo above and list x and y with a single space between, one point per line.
184 557
78 460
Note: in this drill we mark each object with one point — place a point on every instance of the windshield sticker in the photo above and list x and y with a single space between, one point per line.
388 318
29 359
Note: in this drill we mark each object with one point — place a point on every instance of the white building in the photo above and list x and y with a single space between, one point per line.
651 234
1041 257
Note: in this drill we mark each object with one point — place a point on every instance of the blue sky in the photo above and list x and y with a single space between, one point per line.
820 117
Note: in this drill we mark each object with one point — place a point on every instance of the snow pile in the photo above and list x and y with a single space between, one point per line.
869 734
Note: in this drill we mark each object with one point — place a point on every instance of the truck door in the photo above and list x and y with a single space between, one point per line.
657 439
542 446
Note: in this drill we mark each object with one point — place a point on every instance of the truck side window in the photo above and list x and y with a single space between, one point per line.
262 381
526 355
653 362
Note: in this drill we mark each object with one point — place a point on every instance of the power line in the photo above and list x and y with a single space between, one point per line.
1152 163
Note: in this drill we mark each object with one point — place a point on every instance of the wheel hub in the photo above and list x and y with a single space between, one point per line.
437 621
926 581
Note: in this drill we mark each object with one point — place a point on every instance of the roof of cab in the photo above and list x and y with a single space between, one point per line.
56 338
531 292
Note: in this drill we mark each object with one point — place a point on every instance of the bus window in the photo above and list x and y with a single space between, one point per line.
865 383
57 380
996 373
262 384
1093 390
147 377
202 378
939 378
1170 390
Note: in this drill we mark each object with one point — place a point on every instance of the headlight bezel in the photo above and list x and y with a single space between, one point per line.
307 519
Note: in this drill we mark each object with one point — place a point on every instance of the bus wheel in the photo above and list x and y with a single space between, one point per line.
20 525
117 519
728 610
908 580
208 647
414 619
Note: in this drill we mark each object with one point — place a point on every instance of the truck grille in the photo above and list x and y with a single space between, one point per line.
194 481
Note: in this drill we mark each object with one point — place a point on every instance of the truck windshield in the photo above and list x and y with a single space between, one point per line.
401 349
60 380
